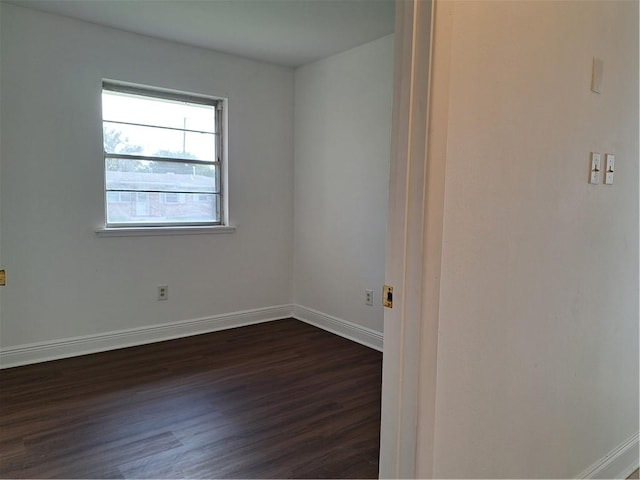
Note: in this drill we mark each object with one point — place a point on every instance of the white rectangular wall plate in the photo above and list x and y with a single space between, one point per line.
609 168
596 158
368 297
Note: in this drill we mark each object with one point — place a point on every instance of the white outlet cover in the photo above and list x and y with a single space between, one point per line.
163 292
368 297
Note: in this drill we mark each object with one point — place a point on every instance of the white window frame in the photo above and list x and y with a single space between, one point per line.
172 228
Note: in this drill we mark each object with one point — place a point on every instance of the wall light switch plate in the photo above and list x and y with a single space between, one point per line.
596 158
609 168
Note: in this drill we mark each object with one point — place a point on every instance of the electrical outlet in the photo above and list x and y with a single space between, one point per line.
163 292
368 297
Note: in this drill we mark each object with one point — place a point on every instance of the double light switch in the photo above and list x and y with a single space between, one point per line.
596 168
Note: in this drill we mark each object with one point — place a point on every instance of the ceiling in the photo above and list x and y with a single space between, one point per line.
284 32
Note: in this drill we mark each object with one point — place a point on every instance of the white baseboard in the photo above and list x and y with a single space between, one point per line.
75 346
619 463
352 331
72 347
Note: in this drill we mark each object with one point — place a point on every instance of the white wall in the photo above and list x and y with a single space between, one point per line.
1 263
342 153
63 280
537 372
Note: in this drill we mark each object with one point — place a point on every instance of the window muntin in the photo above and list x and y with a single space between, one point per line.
162 154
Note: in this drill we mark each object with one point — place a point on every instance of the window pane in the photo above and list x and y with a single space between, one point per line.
124 107
157 208
132 175
158 142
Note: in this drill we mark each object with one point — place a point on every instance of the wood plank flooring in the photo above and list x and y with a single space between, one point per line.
276 400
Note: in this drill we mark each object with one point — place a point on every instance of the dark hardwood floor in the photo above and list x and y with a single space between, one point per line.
275 400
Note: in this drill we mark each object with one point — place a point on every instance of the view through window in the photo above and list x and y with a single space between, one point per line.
162 157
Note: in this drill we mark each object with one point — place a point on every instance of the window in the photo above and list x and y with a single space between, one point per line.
162 158
170 198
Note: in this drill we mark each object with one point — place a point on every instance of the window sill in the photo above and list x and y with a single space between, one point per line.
156 231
